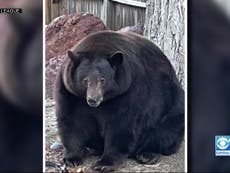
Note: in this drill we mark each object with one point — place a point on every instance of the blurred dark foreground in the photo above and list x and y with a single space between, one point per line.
21 87
208 84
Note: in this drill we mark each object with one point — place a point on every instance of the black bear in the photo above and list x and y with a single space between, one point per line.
118 94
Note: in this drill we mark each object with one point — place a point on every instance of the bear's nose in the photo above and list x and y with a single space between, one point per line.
91 101
94 101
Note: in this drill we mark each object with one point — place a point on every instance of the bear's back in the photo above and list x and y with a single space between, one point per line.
137 49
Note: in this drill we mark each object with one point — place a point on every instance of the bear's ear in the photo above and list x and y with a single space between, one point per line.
71 55
75 59
116 59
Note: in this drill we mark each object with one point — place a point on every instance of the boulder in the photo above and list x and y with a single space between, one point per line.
138 29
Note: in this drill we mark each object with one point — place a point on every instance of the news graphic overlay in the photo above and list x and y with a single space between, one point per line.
10 10
222 144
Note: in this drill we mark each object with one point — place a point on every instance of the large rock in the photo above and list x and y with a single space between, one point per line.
138 29
61 35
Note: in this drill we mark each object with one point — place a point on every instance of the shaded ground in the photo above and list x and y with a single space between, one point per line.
173 163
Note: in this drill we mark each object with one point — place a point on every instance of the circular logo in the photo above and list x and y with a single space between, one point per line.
222 143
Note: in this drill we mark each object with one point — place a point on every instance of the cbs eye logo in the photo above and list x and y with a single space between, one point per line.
222 143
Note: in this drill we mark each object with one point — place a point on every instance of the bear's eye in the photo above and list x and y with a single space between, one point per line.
102 81
85 82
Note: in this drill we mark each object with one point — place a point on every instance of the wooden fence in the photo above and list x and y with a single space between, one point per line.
114 13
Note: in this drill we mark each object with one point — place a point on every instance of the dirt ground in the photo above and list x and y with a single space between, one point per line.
173 163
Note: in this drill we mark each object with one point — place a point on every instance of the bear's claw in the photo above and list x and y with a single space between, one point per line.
103 168
72 162
148 158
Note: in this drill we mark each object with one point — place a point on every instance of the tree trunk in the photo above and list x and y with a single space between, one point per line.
165 26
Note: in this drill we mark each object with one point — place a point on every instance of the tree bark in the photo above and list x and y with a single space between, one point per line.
165 26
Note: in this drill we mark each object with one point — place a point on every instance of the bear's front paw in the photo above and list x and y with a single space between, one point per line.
104 166
72 161
148 158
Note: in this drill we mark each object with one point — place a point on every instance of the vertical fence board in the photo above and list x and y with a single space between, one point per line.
47 11
89 6
124 15
54 8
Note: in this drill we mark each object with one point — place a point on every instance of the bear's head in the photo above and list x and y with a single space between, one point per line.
97 77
